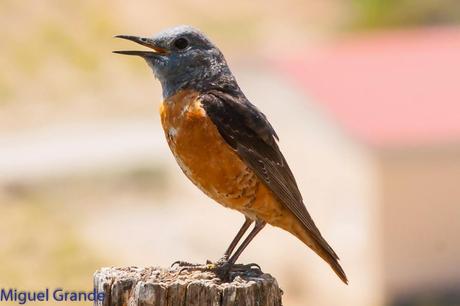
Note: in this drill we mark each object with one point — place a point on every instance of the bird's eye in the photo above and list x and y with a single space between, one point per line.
181 43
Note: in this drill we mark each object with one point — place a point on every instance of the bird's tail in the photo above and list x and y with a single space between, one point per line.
319 245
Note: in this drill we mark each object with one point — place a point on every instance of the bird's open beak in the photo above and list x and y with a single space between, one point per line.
158 51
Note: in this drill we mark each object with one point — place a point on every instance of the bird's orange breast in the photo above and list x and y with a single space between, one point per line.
202 153
212 165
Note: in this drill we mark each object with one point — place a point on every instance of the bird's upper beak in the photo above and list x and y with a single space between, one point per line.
148 42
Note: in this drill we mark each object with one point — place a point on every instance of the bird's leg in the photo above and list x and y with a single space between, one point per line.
231 247
228 252
257 228
224 268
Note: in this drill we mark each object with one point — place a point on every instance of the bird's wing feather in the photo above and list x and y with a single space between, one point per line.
249 133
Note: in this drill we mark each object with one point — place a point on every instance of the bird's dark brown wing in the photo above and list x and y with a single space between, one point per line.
249 133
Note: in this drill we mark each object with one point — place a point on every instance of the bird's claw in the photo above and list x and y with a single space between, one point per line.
181 263
242 268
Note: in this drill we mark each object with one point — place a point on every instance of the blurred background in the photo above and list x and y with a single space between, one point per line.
365 96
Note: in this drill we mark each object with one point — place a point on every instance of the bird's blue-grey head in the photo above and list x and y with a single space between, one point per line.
183 58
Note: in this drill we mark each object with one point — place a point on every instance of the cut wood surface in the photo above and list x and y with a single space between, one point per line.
154 286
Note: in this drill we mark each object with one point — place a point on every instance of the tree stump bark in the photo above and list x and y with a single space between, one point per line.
132 286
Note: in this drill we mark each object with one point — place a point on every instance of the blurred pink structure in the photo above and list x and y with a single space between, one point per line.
390 89
397 95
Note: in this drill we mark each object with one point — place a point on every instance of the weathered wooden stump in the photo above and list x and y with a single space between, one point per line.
152 286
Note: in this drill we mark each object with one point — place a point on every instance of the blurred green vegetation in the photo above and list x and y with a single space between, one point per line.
41 222
58 41
41 248
404 13
5 89
57 46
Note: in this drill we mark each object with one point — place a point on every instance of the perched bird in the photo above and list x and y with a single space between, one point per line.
223 143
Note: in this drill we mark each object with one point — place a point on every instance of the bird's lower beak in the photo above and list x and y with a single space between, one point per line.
147 42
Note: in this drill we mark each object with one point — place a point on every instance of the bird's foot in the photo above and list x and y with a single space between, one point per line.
223 269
